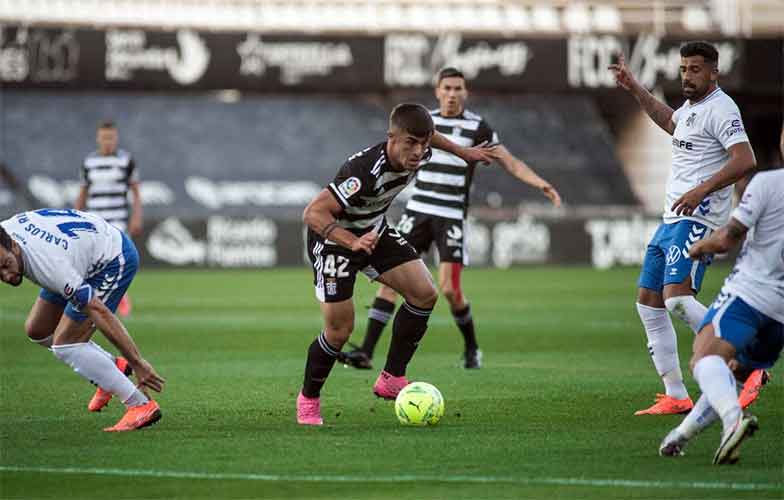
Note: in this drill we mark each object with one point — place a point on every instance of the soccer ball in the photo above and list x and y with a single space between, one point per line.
419 403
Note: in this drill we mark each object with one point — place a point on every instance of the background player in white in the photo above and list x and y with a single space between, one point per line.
84 265
108 175
710 151
743 326
436 213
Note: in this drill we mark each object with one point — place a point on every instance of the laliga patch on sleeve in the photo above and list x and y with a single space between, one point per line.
349 187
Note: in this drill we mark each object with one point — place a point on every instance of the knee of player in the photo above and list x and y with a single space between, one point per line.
676 305
338 334
36 334
428 297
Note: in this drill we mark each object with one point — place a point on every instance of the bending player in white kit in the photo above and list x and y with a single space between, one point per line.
710 152
743 327
84 265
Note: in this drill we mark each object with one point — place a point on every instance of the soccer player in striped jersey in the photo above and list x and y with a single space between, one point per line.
436 213
710 152
348 232
83 265
108 175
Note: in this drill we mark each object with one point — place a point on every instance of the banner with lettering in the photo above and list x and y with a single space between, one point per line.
139 59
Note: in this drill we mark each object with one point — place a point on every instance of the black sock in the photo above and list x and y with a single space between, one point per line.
407 330
321 359
378 317
465 321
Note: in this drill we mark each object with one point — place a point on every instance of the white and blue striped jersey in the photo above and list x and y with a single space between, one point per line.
63 248
704 131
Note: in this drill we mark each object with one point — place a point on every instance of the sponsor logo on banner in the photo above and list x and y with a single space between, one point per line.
649 61
54 193
413 59
295 60
127 52
218 194
619 241
521 241
230 242
38 55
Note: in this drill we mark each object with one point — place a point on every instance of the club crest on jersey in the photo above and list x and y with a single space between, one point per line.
690 119
350 186
673 255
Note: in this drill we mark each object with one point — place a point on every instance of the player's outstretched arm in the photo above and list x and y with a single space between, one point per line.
481 152
81 198
518 169
321 216
724 239
659 112
135 223
740 164
113 329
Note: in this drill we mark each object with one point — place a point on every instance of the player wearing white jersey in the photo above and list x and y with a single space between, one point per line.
743 327
710 153
84 265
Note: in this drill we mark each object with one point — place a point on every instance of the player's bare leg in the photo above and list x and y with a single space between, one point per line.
322 353
449 278
73 346
42 321
412 280
663 347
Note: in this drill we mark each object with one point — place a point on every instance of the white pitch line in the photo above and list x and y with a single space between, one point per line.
409 478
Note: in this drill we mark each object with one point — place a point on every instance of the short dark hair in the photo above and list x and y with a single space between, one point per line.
413 118
700 48
449 72
5 240
106 124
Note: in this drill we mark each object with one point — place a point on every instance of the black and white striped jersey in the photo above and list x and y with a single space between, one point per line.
442 186
365 187
107 179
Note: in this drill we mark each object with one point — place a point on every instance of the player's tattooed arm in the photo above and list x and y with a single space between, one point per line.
659 112
724 239
321 216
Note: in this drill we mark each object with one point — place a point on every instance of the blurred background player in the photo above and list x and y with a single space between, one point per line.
108 175
743 326
348 232
710 152
84 265
436 214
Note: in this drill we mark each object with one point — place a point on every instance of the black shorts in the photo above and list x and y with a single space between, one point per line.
335 267
423 230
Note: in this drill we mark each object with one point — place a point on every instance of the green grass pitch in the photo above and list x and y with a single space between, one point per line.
548 416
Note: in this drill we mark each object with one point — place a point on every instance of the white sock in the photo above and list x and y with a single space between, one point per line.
718 386
663 346
688 309
700 417
105 352
92 364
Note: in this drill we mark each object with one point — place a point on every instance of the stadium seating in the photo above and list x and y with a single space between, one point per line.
296 138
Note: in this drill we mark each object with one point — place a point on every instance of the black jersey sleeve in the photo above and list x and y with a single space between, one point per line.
486 133
354 180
